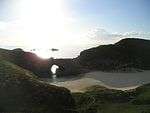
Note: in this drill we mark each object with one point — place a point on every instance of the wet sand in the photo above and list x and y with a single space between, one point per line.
120 81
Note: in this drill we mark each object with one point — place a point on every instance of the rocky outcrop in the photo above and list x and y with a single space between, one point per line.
123 55
21 91
41 67
68 67
127 53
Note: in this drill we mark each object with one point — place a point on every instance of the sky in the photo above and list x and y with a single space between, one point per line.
71 24
114 15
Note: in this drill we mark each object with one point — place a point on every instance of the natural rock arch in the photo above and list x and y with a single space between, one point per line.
67 67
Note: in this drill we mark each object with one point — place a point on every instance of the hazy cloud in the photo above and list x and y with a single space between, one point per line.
145 35
104 37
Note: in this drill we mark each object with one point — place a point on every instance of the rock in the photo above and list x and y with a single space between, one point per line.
40 67
67 67
127 53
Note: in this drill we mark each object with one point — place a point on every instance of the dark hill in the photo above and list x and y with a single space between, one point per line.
20 91
127 53
40 67
27 60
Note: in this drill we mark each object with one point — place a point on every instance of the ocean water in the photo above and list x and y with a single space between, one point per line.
63 52
120 81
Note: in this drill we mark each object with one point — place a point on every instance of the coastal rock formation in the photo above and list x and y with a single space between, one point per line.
67 67
41 67
127 53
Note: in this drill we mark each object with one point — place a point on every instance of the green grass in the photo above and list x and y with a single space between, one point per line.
123 108
143 95
21 91
9 70
98 99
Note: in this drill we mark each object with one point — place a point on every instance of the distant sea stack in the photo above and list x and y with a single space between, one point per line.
54 49
127 53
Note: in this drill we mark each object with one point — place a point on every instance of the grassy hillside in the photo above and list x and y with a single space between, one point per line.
127 53
27 60
102 100
20 91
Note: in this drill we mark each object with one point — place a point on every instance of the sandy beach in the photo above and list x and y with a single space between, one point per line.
120 81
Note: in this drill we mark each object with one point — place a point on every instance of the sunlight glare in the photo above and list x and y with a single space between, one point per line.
43 22
54 69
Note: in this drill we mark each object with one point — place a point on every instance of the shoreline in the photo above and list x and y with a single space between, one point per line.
118 81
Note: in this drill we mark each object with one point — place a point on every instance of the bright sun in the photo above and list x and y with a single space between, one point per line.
43 22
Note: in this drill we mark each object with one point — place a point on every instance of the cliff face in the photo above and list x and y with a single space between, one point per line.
125 53
20 91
